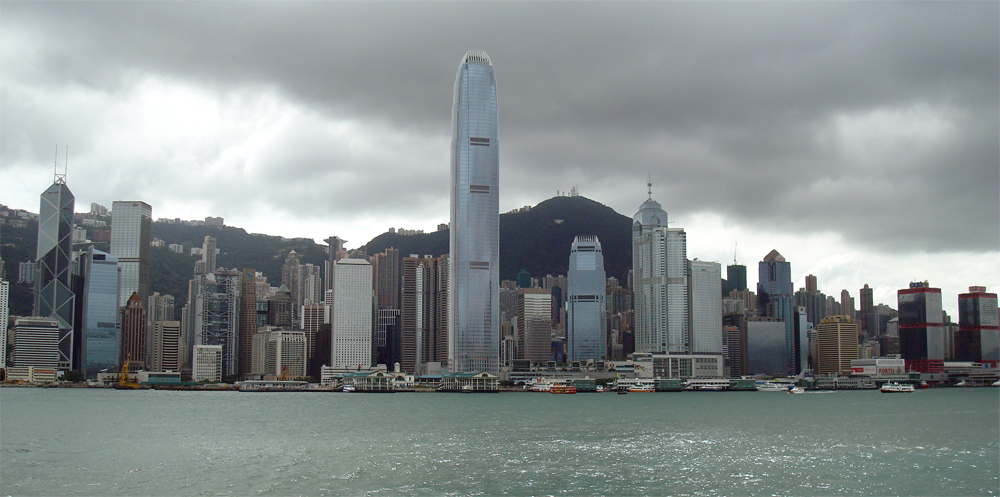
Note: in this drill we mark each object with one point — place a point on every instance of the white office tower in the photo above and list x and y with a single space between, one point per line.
586 336
474 285
131 232
351 322
206 363
659 266
36 343
706 307
285 355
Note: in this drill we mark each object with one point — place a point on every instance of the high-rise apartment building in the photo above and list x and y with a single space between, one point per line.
659 265
4 312
836 344
131 232
869 325
775 299
586 325
423 317
134 324
248 319
161 307
534 324
921 326
290 280
310 285
334 252
978 336
351 320
54 296
101 328
705 280
208 255
386 269
811 283
474 325
846 304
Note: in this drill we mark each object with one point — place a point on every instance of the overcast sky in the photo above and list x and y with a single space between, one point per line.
860 140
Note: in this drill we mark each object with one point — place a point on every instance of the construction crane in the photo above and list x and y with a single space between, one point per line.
124 381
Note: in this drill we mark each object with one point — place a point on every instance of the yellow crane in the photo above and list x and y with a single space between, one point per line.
124 381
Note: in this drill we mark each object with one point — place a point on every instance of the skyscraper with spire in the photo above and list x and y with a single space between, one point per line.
659 266
54 297
474 285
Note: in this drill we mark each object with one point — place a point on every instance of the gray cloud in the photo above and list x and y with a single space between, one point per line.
878 121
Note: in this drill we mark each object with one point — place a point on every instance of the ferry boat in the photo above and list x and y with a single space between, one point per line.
541 385
642 388
774 386
273 386
562 389
347 388
894 387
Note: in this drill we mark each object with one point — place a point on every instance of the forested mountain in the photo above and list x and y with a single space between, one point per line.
536 239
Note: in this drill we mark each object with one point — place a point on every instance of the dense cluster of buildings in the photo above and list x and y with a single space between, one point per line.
429 315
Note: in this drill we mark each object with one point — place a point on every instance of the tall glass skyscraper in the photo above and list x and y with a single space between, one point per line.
775 298
131 232
586 327
54 297
474 285
659 266
705 280
102 335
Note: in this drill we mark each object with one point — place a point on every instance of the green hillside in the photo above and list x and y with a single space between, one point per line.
538 239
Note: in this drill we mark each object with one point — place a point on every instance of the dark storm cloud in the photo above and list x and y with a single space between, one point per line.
875 120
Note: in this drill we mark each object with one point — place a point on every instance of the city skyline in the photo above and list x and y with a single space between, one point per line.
832 133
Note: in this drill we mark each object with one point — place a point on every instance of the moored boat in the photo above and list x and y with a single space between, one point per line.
642 388
562 389
895 387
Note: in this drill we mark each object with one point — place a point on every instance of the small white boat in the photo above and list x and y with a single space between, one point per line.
995 383
894 387
348 388
796 390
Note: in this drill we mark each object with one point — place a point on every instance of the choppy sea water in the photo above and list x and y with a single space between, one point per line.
109 442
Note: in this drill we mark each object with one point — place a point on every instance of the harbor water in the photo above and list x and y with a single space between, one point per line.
107 442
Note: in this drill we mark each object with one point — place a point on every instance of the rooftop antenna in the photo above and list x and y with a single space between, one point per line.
734 253
59 178
649 184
